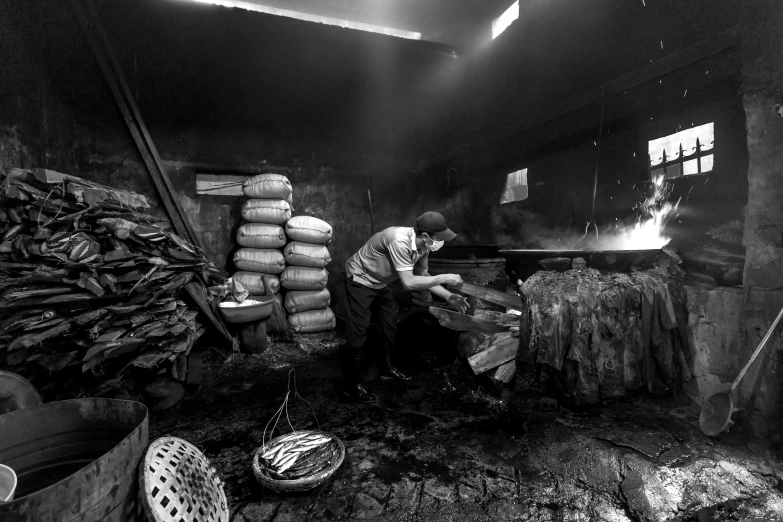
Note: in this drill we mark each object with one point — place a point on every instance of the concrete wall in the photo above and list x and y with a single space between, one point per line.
762 98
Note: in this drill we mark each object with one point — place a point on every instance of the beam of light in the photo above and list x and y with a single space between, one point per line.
516 187
502 22
359 26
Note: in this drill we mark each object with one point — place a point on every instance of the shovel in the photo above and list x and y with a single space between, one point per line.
716 413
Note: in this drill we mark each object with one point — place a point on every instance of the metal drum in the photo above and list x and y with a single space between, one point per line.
477 264
75 460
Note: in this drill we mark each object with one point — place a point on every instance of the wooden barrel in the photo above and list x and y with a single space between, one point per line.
75 460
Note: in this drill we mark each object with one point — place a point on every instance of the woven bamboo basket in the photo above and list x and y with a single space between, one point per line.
178 484
301 484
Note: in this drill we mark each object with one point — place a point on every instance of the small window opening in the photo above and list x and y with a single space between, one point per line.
516 187
502 22
683 154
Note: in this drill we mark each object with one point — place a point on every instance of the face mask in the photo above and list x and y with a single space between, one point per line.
433 244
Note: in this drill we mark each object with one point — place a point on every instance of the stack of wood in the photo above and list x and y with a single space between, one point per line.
489 340
95 291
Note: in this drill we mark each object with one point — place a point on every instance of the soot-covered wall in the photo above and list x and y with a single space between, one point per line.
238 88
556 51
228 87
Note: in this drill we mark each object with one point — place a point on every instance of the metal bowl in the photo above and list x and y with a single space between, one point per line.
7 484
249 310
16 393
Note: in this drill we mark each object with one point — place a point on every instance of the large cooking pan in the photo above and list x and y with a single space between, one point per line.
614 260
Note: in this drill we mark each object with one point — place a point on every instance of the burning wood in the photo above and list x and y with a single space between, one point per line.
93 291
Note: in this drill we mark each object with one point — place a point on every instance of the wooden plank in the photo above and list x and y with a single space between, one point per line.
126 197
498 353
697 52
214 167
464 322
492 296
506 371
101 47
198 293
220 184
52 176
702 50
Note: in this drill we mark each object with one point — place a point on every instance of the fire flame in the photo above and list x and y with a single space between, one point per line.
648 231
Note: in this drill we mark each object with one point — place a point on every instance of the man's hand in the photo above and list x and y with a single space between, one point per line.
451 279
458 302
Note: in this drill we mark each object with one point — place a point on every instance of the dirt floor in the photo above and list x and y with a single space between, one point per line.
441 448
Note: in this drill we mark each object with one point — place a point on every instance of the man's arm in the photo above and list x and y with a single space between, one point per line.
455 300
426 282
441 292
432 283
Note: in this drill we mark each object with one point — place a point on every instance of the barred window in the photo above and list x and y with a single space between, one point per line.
683 153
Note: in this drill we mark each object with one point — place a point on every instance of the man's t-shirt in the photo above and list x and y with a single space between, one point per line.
389 251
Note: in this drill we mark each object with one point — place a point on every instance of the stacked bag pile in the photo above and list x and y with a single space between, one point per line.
262 236
307 300
286 252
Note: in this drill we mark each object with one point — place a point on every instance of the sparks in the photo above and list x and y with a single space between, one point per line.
648 231
654 213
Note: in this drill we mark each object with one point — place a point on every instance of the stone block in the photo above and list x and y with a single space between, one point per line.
258 512
502 488
404 495
505 510
468 493
364 507
291 512
715 318
440 491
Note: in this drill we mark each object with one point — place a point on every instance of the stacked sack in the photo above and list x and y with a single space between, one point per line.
262 235
307 300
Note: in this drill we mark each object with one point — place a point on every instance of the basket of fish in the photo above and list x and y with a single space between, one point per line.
298 461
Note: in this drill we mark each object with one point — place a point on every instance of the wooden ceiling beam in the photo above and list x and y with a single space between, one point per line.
702 50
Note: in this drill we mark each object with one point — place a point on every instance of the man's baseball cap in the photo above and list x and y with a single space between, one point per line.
434 223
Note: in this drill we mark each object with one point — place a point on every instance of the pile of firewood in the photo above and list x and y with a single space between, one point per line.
488 340
96 294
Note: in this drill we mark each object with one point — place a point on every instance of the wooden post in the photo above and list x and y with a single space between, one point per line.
99 42
252 337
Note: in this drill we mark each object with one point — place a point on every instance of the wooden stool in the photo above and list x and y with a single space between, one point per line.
252 337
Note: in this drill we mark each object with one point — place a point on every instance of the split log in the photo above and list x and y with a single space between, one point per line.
488 340
496 350
505 372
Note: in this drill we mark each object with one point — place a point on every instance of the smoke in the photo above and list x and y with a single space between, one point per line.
646 230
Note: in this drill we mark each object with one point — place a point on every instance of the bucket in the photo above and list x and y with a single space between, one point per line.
75 460
7 484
